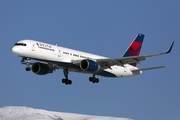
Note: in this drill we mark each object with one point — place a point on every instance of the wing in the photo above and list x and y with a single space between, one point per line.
107 63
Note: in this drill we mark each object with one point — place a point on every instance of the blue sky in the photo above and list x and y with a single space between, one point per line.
101 27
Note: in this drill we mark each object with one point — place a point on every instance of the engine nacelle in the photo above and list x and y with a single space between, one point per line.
89 65
41 68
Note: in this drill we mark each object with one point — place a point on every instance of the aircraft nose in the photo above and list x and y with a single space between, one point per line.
15 50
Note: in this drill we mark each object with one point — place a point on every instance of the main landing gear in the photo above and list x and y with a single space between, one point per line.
93 79
69 82
66 81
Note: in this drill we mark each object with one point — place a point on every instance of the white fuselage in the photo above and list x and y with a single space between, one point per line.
63 58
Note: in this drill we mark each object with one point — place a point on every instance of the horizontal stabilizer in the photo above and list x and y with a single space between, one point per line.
137 70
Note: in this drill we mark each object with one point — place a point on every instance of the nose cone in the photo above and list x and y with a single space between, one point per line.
15 50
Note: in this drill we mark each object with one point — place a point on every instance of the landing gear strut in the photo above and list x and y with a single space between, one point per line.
93 79
66 81
27 63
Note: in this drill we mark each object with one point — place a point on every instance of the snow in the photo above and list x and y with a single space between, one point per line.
27 113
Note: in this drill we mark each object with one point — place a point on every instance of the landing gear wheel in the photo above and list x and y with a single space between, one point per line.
66 81
93 80
63 80
97 80
28 69
69 82
90 79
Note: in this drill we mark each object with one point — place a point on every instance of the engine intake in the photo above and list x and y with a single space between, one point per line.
41 68
89 65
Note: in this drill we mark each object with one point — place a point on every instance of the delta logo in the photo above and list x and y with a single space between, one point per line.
43 45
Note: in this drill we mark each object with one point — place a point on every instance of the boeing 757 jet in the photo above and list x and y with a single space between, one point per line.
52 57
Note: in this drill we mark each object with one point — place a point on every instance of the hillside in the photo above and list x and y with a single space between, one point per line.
27 113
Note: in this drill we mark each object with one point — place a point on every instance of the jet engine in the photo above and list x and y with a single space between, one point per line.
89 65
41 68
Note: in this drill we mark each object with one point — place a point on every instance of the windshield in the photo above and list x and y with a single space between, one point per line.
20 44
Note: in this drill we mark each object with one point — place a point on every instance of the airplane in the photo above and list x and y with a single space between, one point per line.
52 57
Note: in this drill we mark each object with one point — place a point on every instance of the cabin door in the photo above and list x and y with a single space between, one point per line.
58 52
33 46
125 68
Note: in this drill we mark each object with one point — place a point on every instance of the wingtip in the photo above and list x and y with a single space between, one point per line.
170 48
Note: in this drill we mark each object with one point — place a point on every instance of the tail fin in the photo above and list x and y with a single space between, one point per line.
135 47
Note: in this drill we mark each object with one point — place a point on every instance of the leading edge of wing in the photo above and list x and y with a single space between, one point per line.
131 59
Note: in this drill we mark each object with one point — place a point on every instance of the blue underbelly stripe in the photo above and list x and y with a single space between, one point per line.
72 66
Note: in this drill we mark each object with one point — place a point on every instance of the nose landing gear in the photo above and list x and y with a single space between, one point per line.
28 69
27 63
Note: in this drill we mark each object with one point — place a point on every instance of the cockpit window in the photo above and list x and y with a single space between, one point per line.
20 44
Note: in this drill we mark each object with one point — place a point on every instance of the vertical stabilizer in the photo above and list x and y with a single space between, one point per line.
135 47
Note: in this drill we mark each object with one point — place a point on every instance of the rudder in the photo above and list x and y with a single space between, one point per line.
135 47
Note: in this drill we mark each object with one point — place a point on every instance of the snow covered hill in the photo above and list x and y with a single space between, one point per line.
27 113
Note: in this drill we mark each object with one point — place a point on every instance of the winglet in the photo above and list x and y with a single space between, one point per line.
170 48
